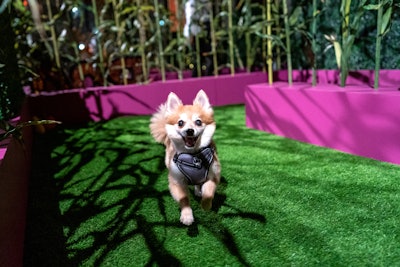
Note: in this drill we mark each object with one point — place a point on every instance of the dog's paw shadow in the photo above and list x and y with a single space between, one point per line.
220 196
218 202
193 229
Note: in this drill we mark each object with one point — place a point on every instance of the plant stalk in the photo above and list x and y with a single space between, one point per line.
119 40
53 35
158 34
142 40
378 45
345 8
198 56
264 41
230 38
213 42
314 43
247 36
288 47
98 42
278 32
78 61
269 44
179 38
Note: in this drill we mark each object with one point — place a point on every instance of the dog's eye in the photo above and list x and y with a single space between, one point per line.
198 122
181 123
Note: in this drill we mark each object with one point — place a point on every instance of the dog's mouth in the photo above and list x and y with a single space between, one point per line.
190 141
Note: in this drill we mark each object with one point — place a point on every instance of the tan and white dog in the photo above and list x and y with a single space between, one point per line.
190 153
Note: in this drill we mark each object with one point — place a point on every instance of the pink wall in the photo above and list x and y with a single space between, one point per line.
355 119
14 179
103 103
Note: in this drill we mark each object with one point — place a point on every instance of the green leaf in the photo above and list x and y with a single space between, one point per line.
372 6
296 15
386 19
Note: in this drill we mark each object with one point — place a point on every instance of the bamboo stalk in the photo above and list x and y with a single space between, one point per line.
198 56
314 43
278 32
158 34
346 4
98 42
119 40
230 38
248 36
53 35
264 40
378 45
213 42
142 40
269 44
288 48
179 38
80 69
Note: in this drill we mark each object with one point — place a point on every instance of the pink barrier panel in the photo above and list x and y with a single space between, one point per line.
387 78
103 103
354 119
14 178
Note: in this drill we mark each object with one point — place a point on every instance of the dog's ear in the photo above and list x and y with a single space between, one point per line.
202 100
173 102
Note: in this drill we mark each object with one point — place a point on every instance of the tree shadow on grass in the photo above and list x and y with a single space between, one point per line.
101 190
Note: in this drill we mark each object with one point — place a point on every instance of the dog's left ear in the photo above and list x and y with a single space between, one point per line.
173 102
202 100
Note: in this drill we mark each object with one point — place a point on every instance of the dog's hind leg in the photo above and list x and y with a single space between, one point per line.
180 194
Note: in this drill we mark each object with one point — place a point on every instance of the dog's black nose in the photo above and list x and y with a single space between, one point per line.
189 132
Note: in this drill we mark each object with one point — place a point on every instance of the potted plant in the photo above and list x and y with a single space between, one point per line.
337 108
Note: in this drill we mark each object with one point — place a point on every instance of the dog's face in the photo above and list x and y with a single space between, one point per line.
190 127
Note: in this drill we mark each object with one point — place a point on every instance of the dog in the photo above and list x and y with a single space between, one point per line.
190 152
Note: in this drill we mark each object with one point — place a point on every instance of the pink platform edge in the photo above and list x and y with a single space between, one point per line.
355 119
104 103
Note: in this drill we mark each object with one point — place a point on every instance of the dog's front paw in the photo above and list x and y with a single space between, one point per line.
187 216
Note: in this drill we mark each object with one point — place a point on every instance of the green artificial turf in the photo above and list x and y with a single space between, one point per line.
99 197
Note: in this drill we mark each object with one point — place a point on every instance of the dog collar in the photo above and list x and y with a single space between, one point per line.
195 166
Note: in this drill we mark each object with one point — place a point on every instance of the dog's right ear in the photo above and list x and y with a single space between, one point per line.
173 102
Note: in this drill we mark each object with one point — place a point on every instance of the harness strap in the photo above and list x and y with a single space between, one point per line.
195 166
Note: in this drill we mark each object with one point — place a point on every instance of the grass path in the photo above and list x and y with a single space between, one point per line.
99 197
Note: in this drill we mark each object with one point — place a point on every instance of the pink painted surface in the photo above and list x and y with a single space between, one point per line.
14 177
103 103
355 119
387 78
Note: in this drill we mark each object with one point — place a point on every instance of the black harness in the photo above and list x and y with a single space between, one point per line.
195 166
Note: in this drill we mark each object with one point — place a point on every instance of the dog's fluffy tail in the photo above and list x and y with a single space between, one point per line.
157 125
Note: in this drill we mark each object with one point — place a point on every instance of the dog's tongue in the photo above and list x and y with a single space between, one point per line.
190 141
